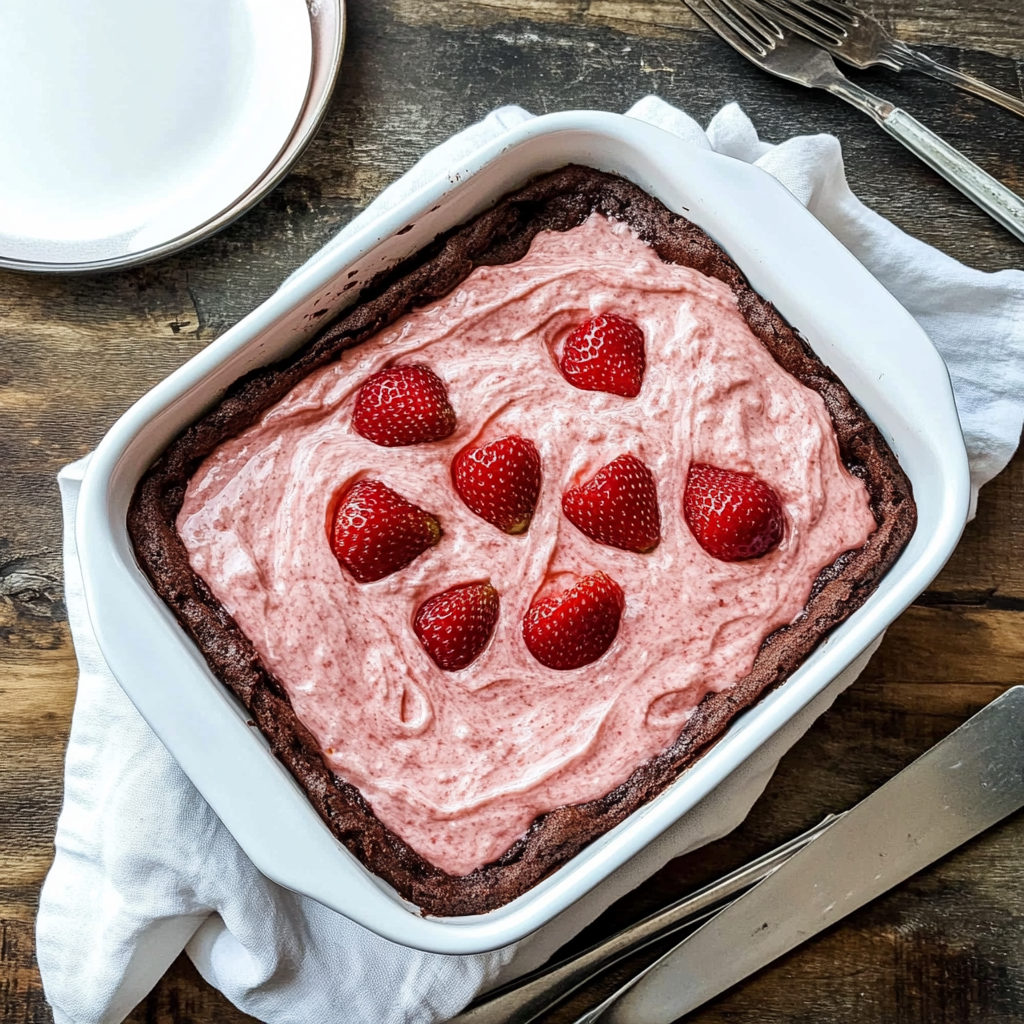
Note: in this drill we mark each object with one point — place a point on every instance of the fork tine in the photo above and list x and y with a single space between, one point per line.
757 18
737 19
729 28
837 15
800 18
845 14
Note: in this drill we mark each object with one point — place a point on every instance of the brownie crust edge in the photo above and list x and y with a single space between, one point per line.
558 201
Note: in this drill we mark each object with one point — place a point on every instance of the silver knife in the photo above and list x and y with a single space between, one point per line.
532 995
957 789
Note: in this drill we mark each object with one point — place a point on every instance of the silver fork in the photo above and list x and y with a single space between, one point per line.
860 40
749 27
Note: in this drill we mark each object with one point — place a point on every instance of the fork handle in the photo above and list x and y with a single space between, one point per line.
922 62
992 196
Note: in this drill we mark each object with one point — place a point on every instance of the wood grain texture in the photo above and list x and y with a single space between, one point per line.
76 351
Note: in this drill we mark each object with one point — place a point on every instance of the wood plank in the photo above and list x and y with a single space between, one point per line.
987 568
952 645
21 995
37 689
992 27
24 870
657 18
37 686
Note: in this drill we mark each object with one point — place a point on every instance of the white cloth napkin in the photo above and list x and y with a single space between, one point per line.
144 868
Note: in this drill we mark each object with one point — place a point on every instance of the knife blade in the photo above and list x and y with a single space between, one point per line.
954 791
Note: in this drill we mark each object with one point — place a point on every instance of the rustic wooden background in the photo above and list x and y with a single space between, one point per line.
77 351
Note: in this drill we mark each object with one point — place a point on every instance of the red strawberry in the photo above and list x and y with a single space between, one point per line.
605 353
577 626
374 531
618 506
455 625
732 515
500 481
403 405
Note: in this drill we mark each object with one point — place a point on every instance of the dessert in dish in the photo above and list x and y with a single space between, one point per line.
502 550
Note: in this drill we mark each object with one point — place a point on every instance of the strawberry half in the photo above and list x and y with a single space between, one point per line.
403 405
605 353
455 625
500 481
577 626
374 531
734 516
617 506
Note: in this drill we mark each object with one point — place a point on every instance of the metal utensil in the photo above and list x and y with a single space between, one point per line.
860 40
954 791
327 25
752 32
525 999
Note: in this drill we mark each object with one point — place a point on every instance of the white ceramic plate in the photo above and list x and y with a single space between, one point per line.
327 18
127 124
854 325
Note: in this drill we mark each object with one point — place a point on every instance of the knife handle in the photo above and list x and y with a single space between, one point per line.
992 196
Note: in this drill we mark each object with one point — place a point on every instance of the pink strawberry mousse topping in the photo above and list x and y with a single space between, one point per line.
459 763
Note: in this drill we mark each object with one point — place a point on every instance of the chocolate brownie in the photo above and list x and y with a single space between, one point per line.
556 202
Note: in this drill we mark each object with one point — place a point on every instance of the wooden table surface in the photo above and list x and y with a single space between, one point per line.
77 351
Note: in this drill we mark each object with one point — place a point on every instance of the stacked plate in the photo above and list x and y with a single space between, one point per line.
132 130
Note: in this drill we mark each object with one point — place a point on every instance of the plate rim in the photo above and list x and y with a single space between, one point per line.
271 176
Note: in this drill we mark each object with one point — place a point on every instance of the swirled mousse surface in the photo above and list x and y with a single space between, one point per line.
460 763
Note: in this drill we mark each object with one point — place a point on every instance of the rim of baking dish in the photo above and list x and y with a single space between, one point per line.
885 359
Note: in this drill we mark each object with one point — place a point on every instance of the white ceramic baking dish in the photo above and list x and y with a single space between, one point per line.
852 323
